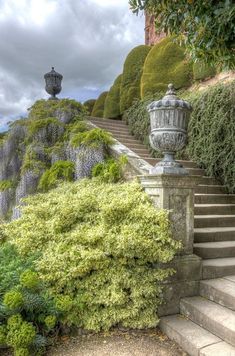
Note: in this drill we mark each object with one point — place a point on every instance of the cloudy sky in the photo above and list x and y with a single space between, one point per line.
85 40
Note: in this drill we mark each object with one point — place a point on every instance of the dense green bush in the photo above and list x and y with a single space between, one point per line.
112 101
98 109
132 72
166 63
212 132
98 245
89 105
59 171
203 70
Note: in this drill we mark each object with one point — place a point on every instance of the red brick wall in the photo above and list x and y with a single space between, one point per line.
151 35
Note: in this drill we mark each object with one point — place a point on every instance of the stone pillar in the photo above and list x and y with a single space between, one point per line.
175 193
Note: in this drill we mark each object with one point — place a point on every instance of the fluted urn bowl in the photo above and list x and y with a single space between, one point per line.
169 119
53 83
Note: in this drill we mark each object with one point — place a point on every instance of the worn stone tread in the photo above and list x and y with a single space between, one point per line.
218 249
190 336
219 349
218 267
219 290
219 320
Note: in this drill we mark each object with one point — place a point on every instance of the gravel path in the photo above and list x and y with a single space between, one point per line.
131 343
117 343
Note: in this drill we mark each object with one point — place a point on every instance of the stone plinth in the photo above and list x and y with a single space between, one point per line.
176 194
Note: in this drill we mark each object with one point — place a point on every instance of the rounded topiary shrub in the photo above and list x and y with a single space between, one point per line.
112 101
166 63
132 72
202 71
89 105
98 109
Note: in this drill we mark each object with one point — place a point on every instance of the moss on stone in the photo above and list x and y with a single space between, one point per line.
203 71
98 109
6 184
89 105
132 72
166 63
59 171
92 138
47 108
112 101
35 125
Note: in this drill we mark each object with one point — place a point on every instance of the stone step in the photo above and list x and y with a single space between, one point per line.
211 209
208 181
219 349
192 338
214 220
210 189
129 141
107 121
115 131
121 136
213 317
214 198
140 151
219 249
188 164
218 267
213 234
220 290
133 146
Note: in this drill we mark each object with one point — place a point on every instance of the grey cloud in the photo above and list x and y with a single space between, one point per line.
85 42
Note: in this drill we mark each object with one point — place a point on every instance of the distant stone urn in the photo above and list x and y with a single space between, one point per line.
169 122
53 83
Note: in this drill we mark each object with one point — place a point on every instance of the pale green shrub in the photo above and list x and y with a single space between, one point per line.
99 247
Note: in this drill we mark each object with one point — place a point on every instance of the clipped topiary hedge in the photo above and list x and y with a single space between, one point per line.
132 72
89 105
98 109
203 71
166 63
112 101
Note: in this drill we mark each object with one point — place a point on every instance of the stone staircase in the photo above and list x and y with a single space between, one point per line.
206 323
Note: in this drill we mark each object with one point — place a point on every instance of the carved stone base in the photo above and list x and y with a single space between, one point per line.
176 194
184 283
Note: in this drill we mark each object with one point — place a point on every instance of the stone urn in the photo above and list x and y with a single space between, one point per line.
169 119
53 83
